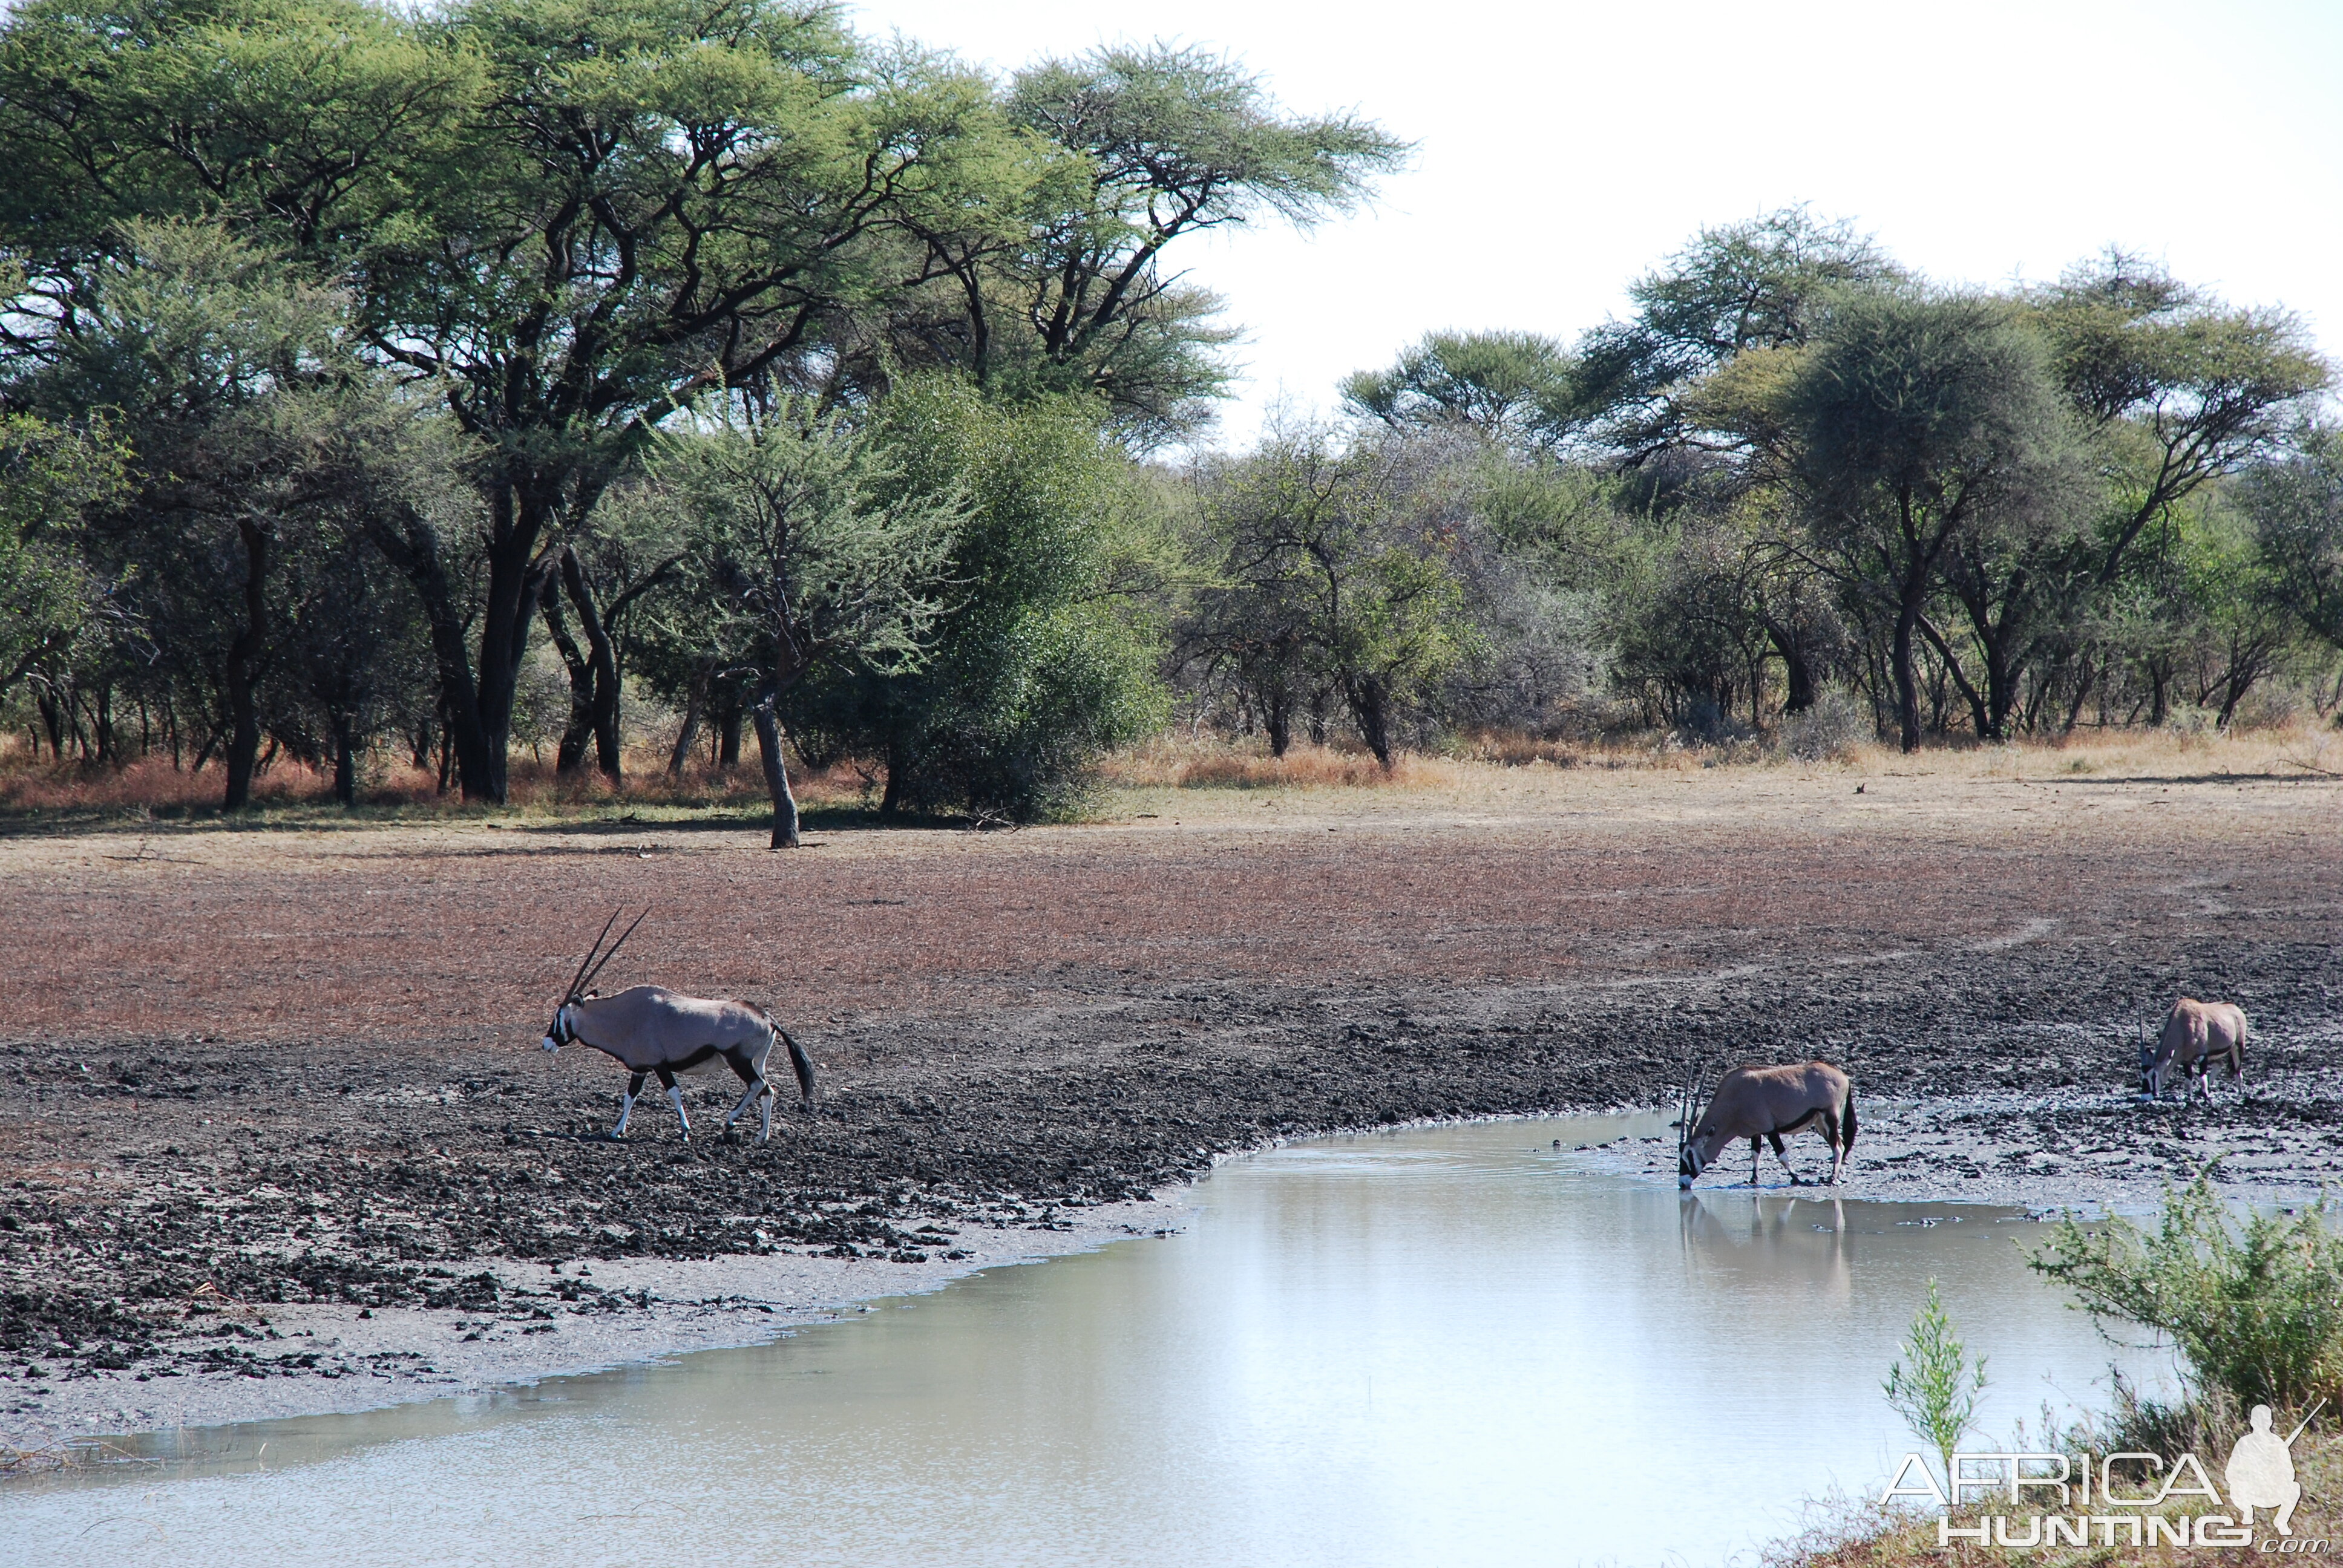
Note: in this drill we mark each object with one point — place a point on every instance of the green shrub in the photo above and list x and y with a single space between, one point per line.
1937 1395
2255 1307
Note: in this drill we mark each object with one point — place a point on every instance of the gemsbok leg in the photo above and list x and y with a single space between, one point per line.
753 1076
674 1098
1784 1156
627 1103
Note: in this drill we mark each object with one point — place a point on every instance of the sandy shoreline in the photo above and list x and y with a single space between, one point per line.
2042 1153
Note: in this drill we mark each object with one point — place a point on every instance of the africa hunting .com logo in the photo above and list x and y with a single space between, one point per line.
2128 1486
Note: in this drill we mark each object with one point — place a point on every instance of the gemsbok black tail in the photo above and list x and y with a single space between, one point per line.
799 1063
1846 1125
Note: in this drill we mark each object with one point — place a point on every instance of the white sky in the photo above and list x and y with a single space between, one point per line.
1563 148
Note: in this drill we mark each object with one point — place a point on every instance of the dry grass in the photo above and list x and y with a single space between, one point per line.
1849 1534
151 787
1176 773
1170 763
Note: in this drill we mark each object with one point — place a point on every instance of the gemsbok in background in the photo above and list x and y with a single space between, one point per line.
2195 1033
652 1029
1767 1103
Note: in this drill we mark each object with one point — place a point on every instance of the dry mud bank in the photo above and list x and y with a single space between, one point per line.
264 1083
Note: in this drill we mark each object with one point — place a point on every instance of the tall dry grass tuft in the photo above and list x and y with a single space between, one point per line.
150 784
1170 762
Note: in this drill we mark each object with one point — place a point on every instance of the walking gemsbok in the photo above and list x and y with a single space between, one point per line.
652 1029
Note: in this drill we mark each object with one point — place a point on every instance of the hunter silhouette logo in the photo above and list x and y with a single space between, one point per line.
2102 1499
2260 1473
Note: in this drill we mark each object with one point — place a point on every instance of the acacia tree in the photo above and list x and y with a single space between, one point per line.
1913 421
1764 283
1341 553
2294 505
216 360
51 475
567 217
1516 390
802 558
648 200
2172 390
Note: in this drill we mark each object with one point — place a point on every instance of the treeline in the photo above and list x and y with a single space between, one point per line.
359 361
793 375
1796 474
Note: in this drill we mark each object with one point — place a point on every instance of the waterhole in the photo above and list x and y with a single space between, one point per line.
1453 1345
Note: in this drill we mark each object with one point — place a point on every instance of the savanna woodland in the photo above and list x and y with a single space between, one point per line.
578 385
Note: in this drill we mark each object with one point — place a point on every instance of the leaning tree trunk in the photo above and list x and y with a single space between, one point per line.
570 756
603 702
777 773
692 699
243 655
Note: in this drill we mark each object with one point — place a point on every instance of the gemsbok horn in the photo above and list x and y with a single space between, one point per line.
1765 1104
652 1029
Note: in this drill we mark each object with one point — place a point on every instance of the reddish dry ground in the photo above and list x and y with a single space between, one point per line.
303 1062
462 935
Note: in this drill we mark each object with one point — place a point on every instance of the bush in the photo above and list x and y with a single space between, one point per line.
1835 726
2255 1308
1937 1394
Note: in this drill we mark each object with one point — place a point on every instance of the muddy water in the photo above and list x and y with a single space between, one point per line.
1442 1346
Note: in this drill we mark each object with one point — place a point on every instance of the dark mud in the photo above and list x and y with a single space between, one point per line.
246 1177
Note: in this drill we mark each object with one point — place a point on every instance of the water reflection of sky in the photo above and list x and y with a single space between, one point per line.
1438 1346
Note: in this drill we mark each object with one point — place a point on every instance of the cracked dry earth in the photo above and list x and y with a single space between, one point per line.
253 1071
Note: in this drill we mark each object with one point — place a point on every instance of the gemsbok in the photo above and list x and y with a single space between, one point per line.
1761 1104
652 1029
2194 1034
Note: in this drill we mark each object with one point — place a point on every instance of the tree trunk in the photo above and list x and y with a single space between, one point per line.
1797 669
684 736
890 800
53 721
346 761
478 703
1318 717
1370 704
728 734
570 754
100 724
1279 724
243 656
603 656
518 515
777 773
1907 678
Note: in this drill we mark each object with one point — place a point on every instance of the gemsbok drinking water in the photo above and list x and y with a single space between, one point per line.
1767 1103
652 1029
2196 1034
